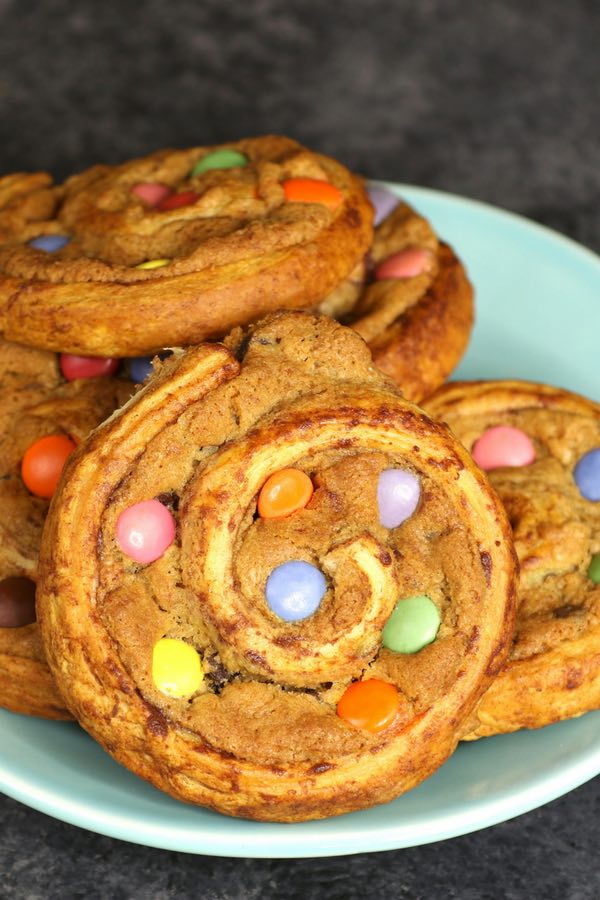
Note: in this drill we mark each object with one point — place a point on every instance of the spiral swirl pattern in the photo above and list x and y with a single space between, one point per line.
553 671
259 732
98 266
417 325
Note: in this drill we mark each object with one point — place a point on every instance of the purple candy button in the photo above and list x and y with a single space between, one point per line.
383 201
398 494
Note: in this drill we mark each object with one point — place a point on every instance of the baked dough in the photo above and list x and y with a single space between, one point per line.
39 405
553 671
260 736
418 327
238 250
26 376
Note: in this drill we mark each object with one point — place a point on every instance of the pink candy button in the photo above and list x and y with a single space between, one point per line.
503 445
151 192
145 530
405 264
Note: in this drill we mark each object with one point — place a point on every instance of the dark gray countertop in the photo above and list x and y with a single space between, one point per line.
498 102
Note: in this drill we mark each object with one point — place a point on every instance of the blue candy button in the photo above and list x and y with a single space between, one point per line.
141 366
587 475
50 243
294 590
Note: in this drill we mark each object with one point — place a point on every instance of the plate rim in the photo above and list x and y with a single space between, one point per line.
271 840
297 840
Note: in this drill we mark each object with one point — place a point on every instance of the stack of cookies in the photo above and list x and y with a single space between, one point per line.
268 582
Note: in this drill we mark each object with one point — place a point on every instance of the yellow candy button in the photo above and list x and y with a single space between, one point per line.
176 668
154 264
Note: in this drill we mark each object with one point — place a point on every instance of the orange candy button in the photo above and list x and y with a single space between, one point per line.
372 705
312 190
283 493
43 462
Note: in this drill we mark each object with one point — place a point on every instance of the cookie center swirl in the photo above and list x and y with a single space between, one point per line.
228 553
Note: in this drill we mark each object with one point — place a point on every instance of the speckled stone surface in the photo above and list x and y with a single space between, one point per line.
493 101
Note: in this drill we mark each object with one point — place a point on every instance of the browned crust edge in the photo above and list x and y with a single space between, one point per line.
113 319
421 349
561 683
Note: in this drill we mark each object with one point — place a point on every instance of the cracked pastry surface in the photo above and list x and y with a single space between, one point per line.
176 247
417 323
38 405
249 720
553 671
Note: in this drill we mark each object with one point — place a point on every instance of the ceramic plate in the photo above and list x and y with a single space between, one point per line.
537 304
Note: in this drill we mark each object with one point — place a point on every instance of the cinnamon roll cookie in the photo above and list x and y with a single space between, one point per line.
47 418
410 299
176 247
270 585
540 446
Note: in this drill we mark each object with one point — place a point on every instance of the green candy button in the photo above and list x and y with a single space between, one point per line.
219 159
413 624
594 569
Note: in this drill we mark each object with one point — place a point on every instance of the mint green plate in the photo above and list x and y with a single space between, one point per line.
538 303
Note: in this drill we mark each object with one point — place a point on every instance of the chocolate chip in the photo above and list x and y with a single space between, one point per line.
218 674
384 558
169 499
563 612
17 601
242 348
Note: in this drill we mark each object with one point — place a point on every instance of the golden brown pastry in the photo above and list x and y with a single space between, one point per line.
26 375
411 301
272 645
67 412
541 447
176 247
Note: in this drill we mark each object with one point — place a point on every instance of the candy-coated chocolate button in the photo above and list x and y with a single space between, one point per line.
503 445
176 668
594 569
312 190
145 530
294 590
587 475
413 624
140 367
398 493
174 201
43 463
74 367
17 601
372 705
50 243
153 264
219 159
384 202
406 264
151 192
283 493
